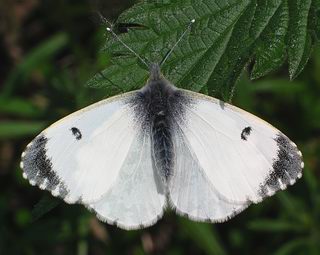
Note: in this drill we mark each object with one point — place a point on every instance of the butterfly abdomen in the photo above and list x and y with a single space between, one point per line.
162 144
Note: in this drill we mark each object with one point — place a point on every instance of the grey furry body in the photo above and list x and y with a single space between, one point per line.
157 105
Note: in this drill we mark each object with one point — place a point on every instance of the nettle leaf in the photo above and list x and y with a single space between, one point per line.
300 40
226 36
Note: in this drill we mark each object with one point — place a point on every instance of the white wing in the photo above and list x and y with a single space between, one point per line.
83 157
137 197
191 193
239 156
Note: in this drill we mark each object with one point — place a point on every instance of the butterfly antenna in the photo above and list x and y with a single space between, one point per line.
109 29
177 42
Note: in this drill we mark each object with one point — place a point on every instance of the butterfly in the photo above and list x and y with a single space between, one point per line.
129 157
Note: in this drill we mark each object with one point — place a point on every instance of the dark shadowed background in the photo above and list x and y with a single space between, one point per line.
48 50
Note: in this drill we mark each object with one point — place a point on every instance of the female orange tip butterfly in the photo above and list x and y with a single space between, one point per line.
129 157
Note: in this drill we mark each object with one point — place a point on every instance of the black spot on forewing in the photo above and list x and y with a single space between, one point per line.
286 167
37 166
245 133
76 132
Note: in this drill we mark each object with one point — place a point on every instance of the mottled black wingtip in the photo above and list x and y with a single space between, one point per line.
37 168
286 168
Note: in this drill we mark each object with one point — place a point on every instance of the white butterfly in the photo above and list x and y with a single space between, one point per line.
131 156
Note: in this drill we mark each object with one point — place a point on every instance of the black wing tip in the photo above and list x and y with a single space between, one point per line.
286 168
37 168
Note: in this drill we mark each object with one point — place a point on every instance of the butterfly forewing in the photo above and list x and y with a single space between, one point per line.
86 156
242 156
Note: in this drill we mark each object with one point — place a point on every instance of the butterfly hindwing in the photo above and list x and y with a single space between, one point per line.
138 196
191 193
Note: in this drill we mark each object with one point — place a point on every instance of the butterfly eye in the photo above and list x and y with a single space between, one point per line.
76 132
245 133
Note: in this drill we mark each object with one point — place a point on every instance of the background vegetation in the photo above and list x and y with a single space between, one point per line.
50 49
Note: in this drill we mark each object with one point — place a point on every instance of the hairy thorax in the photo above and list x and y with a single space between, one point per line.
158 105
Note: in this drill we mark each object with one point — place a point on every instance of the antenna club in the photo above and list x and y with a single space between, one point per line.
109 29
193 20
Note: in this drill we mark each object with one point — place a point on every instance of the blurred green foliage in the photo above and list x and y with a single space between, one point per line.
50 49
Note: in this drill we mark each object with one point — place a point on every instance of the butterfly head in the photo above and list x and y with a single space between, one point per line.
157 83
155 73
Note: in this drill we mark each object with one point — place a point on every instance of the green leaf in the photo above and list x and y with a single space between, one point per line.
46 204
18 107
22 217
271 225
299 39
35 59
203 235
226 36
126 73
270 50
293 207
280 86
292 246
16 129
